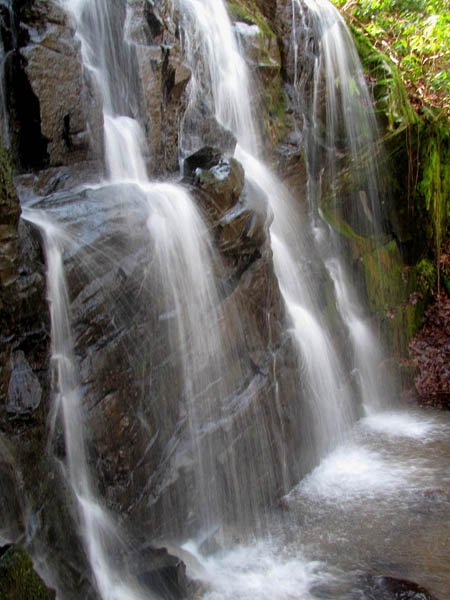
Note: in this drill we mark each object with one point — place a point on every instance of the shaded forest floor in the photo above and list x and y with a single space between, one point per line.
429 351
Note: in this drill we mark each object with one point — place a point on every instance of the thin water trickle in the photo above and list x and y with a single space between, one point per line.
103 541
340 125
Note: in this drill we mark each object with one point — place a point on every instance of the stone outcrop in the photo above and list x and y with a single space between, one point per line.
163 80
140 446
54 118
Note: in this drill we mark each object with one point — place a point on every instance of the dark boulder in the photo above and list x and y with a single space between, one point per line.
390 588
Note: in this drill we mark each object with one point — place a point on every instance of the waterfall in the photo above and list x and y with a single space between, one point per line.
327 392
103 541
3 58
340 125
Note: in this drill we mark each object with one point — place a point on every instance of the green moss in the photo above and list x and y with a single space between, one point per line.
427 276
274 113
435 183
384 277
18 580
402 325
246 11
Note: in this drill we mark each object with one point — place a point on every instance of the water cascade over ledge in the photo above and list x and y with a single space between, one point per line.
216 382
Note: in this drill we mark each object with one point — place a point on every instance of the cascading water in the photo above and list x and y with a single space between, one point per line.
208 33
103 540
339 125
376 473
357 462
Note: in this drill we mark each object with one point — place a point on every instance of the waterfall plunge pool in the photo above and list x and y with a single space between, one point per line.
378 505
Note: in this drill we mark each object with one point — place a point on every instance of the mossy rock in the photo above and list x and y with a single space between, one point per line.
397 294
418 209
417 157
247 11
18 579
384 277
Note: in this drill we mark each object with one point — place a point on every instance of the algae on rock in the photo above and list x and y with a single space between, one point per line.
18 579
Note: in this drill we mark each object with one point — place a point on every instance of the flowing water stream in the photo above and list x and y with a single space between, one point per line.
339 520
380 484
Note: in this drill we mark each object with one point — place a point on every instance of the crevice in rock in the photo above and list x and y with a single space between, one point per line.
29 147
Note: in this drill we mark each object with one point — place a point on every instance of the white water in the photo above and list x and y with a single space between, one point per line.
341 107
376 504
208 30
368 371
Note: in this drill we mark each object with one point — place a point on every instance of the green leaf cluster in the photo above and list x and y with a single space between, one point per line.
415 34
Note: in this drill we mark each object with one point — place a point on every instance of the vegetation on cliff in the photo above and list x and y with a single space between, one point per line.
404 47
415 34
18 579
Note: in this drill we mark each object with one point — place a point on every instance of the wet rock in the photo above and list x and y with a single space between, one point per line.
200 128
24 390
51 107
57 179
219 186
163 80
9 219
165 574
23 311
18 579
205 158
390 588
11 515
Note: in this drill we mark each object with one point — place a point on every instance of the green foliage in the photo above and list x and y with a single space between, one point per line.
18 580
391 99
415 35
427 275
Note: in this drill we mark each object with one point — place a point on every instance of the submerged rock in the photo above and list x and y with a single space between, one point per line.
390 588
165 574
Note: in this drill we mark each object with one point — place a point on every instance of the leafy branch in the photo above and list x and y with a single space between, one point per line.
415 34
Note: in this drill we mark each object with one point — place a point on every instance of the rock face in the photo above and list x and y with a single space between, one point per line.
25 337
140 445
50 109
390 588
55 108
163 80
